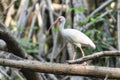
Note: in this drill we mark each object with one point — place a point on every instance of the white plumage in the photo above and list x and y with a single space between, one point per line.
73 36
77 38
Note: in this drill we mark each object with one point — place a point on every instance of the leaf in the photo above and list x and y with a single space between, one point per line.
31 51
28 45
24 41
104 46
79 9
99 48
110 41
35 27
88 32
14 28
92 20
56 28
20 28
70 9
98 19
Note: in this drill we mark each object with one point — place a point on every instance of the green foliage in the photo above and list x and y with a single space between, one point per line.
29 46
13 28
20 28
83 23
98 19
100 38
56 29
93 19
79 9
35 27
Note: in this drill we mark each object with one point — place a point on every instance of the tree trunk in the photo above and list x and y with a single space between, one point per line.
118 30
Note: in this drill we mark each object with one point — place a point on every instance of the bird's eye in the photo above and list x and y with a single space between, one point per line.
60 19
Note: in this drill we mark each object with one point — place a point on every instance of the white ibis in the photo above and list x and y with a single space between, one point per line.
74 36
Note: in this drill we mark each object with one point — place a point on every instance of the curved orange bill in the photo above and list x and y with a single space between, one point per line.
54 23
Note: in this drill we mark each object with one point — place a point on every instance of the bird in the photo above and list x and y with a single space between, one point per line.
73 36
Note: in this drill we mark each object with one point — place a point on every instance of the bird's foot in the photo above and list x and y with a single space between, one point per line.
84 64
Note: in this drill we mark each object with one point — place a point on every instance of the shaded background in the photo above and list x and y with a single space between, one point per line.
29 20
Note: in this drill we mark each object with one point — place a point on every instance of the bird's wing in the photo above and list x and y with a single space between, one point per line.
73 35
76 37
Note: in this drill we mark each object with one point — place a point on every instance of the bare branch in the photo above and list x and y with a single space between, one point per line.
101 7
57 7
7 55
91 23
95 55
11 41
118 24
64 69
3 45
14 47
95 11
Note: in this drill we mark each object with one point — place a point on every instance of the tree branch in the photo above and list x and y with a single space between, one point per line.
14 47
91 23
100 7
64 69
12 43
95 55
7 55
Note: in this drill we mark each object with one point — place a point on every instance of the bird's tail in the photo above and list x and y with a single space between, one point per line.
93 45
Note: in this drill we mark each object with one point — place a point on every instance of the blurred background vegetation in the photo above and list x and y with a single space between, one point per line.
29 20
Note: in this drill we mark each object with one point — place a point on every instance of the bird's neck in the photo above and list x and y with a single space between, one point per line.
61 26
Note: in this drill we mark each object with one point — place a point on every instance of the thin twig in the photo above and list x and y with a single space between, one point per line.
4 73
6 8
8 55
101 7
106 77
95 55
49 2
53 77
91 23
18 74
36 12
118 24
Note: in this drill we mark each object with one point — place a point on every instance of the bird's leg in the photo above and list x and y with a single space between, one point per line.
74 54
83 54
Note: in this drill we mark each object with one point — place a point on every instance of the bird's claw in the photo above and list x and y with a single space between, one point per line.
84 64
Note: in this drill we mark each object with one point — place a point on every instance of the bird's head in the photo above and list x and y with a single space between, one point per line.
59 20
